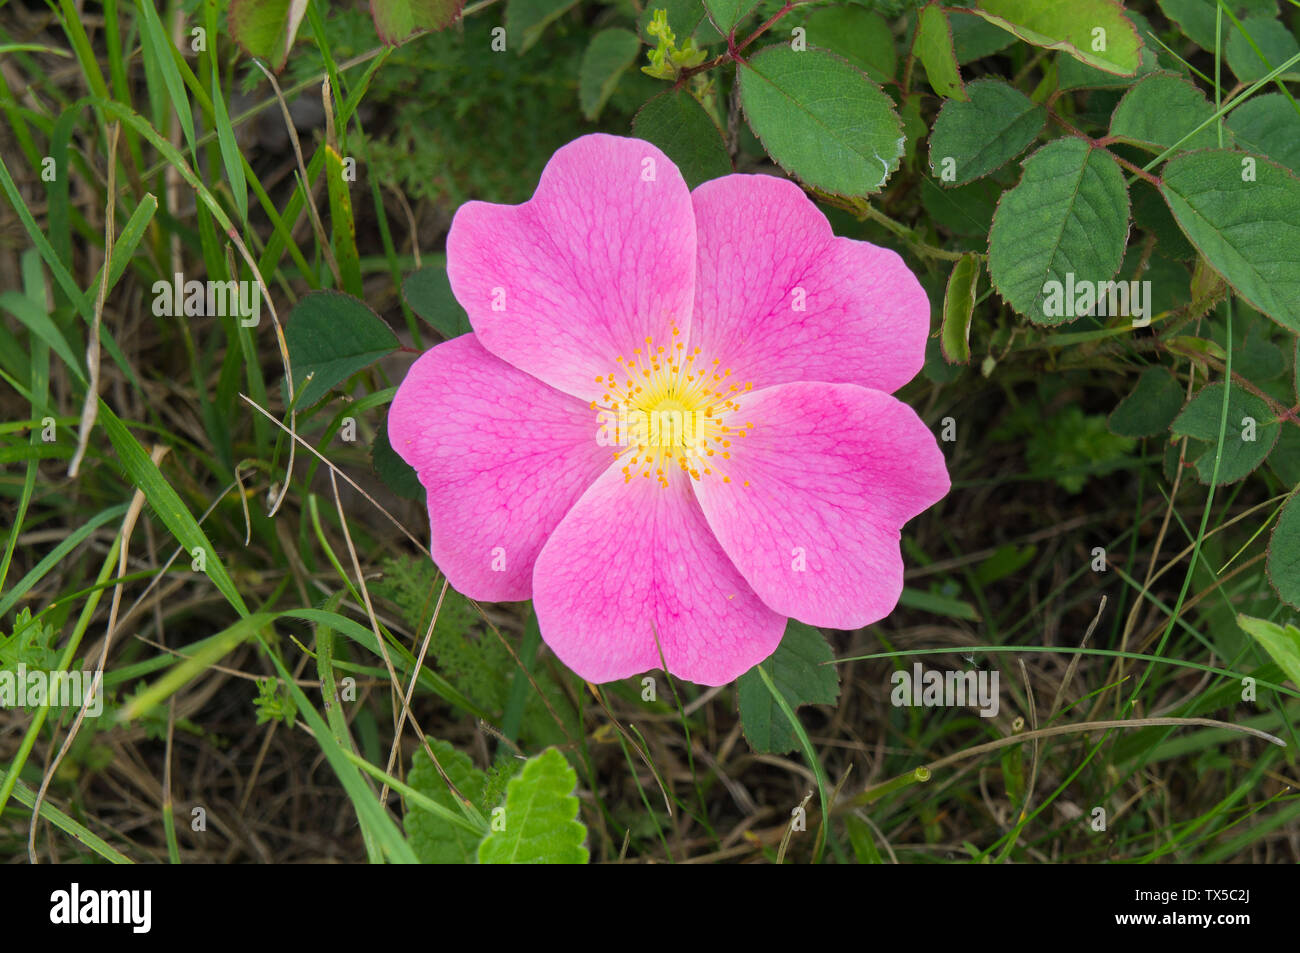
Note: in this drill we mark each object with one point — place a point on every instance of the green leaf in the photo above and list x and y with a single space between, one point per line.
1071 447
266 28
725 14
1273 40
1152 213
982 135
395 20
676 123
428 292
858 35
797 669
965 210
1151 407
1268 125
1248 230
934 46
343 232
607 58
1068 216
1257 358
1283 645
37 319
230 155
1250 434
958 308
332 336
974 37
1159 110
160 49
1283 561
398 475
862 840
1285 458
1006 561
937 604
32 644
527 20
433 838
165 501
1197 17
821 118
541 823
1072 27
1071 74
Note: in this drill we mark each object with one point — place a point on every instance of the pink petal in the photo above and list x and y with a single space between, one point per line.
602 256
632 560
834 471
765 250
502 457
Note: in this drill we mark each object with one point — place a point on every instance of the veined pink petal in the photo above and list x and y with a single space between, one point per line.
600 258
632 560
833 471
502 457
779 298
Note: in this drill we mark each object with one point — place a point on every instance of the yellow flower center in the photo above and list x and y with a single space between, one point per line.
664 410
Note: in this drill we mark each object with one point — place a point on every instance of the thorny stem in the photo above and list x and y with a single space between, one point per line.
1282 412
789 5
733 51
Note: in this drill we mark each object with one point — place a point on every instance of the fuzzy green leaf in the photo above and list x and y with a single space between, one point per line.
797 669
1197 17
934 47
395 20
428 292
1151 407
1284 556
1282 645
858 35
974 37
1274 41
527 20
1270 126
1068 215
607 58
1248 437
1159 110
398 475
821 118
332 336
727 13
676 123
433 838
266 28
1243 214
540 821
996 125
1072 27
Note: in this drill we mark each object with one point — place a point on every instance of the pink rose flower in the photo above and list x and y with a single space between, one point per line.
672 426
